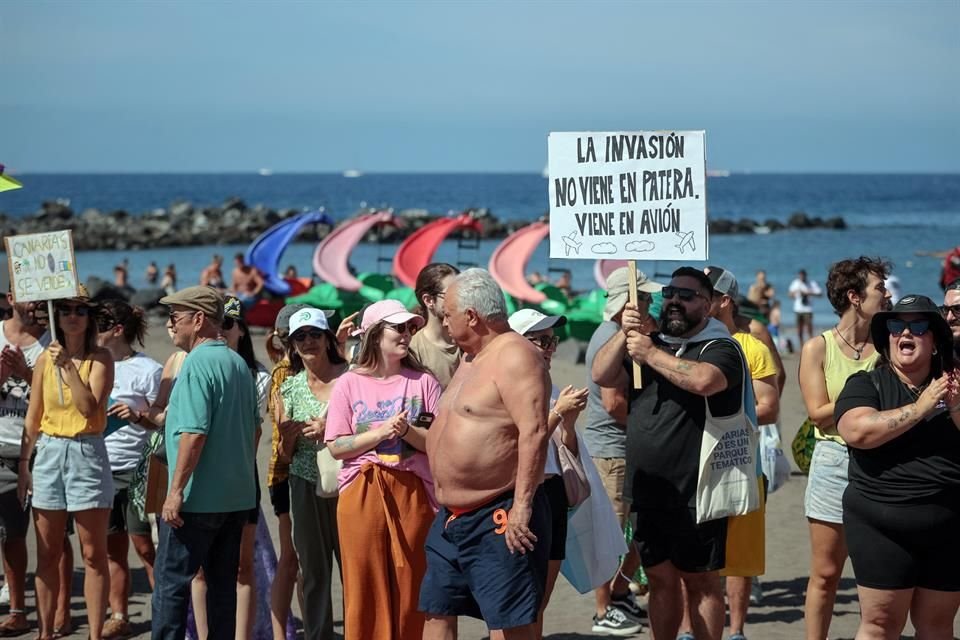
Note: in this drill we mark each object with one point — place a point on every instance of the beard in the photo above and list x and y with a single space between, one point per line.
676 326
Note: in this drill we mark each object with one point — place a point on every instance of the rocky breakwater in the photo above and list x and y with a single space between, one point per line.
233 222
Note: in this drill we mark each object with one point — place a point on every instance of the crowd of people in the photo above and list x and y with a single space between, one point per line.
429 458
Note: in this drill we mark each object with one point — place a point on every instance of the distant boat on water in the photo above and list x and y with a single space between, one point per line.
352 173
265 172
718 173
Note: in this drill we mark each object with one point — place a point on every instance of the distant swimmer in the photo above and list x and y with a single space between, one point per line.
686 240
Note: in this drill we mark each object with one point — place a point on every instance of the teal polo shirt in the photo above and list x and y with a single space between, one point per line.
215 395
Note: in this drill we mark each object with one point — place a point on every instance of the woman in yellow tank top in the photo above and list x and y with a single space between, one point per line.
71 472
855 289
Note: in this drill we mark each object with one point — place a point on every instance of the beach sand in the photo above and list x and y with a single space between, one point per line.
568 617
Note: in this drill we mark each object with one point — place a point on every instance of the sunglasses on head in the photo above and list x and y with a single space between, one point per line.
896 326
105 323
300 336
545 342
686 295
405 327
78 310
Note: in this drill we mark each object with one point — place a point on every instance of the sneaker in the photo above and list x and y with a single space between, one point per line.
737 636
686 635
615 623
5 594
628 605
756 591
116 627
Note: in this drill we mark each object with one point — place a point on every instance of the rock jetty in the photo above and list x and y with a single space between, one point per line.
233 222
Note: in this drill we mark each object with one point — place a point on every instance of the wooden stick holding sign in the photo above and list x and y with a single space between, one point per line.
43 268
632 272
52 324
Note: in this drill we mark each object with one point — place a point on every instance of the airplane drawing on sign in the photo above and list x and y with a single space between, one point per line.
686 240
570 242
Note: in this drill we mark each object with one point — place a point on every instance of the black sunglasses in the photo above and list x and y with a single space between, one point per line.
300 336
896 326
545 342
228 323
686 295
105 323
78 310
951 308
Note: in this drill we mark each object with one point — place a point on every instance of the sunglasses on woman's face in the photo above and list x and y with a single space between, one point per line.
406 327
685 294
79 310
227 324
896 326
300 336
545 342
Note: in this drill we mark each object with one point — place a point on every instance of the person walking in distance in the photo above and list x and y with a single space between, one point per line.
802 291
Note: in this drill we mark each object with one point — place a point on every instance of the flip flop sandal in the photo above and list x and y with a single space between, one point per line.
9 627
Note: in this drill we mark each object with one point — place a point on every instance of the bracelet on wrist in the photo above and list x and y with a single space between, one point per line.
402 435
559 416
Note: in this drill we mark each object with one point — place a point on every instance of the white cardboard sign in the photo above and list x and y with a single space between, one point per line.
42 266
628 195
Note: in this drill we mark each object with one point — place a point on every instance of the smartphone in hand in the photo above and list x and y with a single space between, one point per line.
424 420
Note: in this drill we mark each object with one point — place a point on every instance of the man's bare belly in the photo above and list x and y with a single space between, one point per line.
472 446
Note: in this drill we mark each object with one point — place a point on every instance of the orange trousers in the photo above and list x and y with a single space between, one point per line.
383 518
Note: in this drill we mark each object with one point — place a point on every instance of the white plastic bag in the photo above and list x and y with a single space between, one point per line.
776 467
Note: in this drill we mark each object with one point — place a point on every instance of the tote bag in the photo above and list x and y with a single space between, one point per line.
727 481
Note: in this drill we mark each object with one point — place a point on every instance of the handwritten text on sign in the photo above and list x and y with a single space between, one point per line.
42 266
628 195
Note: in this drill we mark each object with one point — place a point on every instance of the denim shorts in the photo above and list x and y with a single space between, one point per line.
72 474
827 482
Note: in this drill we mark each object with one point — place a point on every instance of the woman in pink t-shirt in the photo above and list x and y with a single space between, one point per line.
371 427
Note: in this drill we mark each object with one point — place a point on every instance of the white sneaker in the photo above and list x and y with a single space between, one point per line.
756 591
615 623
5 594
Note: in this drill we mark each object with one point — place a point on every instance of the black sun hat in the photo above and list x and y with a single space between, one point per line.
921 305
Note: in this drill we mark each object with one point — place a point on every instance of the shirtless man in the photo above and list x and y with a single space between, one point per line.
212 275
487 549
247 281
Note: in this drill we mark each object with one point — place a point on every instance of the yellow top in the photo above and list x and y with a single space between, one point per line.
760 361
837 367
65 420
277 471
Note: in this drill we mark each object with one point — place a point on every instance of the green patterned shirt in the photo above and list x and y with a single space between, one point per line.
301 405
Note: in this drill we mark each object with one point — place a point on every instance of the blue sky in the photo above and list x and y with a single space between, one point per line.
473 86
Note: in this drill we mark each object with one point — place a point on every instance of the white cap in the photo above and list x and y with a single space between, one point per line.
528 320
308 317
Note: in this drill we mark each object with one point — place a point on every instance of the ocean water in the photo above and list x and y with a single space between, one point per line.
893 216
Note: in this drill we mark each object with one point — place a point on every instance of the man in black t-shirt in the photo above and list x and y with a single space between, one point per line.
691 360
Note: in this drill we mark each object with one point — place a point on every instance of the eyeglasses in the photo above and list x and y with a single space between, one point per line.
685 294
228 323
545 342
406 327
951 308
300 336
79 310
896 326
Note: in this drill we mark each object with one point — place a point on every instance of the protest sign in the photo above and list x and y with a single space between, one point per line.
637 195
42 266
